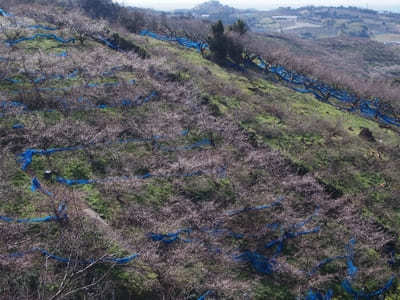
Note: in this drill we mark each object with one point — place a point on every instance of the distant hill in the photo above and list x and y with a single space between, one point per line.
309 22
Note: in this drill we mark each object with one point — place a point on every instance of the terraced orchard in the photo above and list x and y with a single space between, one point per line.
157 174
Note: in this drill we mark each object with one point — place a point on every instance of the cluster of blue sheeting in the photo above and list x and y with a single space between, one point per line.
124 103
61 215
351 268
43 77
204 296
40 35
371 109
291 233
108 43
12 104
260 207
71 182
170 237
180 40
260 263
119 261
62 54
18 126
4 13
227 231
351 272
368 108
36 186
25 158
266 265
203 142
319 296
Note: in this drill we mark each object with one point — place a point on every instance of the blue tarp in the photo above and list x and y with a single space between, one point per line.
62 54
71 182
199 144
170 237
319 296
204 296
108 43
18 126
260 263
40 35
4 13
260 207
61 215
180 40
291 233
25 158
322 92
351 268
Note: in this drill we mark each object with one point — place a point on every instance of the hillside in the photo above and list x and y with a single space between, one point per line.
308 22
181 177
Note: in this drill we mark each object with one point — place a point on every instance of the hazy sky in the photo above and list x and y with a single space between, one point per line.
263 4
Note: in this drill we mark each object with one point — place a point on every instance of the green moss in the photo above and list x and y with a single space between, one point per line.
76 169
205 189
97 202
20 179
201 190
133 285
269 290
155 193
51 117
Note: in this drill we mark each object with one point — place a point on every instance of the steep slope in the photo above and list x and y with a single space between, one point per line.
184 162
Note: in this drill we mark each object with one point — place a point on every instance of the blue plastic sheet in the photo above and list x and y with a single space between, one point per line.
25 158
291 233
319 296
108 43
204 296
4 13
35 185
169 238
18 126
260 263
322 92
40 35
61 215
71 182
199 144
216 231
351 268
260 207
180 40
362 295
62 54
12 104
